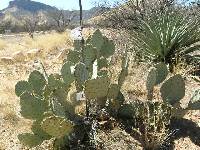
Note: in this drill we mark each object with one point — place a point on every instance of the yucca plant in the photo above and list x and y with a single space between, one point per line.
168 38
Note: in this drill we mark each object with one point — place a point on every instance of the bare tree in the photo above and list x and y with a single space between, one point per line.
30 23
62 19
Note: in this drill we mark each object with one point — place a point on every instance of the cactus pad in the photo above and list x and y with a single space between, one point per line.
97 39
66 73
73 56
108 48
58 108
173 90
37 130
30 140
113 91
102 62
122 76
77 45
162 72
22 87
55 81
89 55
97 88
102 73
37 81
151 79
32 107
81 74
57 126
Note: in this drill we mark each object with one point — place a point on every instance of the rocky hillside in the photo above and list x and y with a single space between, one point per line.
18 8
29 5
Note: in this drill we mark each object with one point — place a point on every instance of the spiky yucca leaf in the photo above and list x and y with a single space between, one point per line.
168 37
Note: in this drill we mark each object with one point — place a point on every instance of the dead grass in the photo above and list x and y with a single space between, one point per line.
49 42
2 44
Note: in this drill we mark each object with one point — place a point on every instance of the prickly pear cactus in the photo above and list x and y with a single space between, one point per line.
151 82
173 90
44 99
57 126
97 88
161 73
150 120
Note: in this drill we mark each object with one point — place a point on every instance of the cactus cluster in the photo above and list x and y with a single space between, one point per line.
41 102
44 98
149 120
172 90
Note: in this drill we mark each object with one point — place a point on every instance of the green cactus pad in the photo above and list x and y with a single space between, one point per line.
102 63
61 143
162 72
97 39
102 73
32 107
58 108
55 81
151 79
89 55
77 45
173 90
122 76
74 56
108 48
120 97
81 74
194 103
126 111
22 87
37 130
97 88
113 91
30 140
37 81
57 126
60 95
67 74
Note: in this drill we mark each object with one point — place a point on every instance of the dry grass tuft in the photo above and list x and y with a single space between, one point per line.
49 42
2 44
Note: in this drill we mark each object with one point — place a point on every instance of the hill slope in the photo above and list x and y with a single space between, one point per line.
20 8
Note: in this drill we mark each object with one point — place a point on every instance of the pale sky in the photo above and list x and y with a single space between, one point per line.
62 4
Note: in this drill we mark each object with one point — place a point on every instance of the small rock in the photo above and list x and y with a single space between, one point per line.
19 56
7 60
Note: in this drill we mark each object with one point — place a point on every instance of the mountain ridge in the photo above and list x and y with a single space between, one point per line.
20 8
